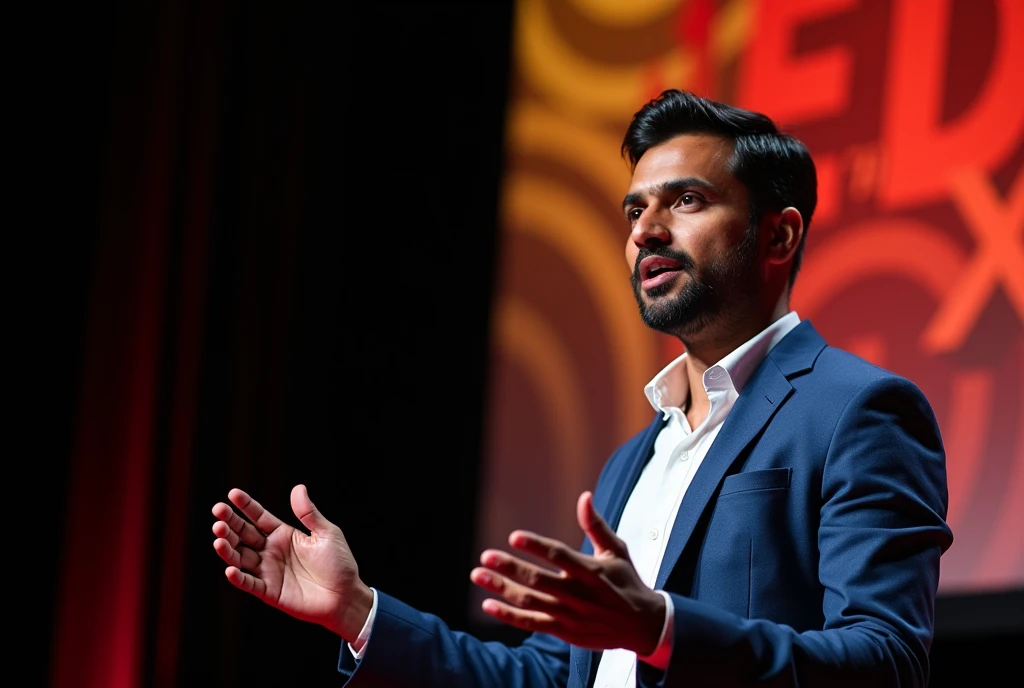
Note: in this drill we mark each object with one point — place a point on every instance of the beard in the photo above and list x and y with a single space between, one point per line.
708 293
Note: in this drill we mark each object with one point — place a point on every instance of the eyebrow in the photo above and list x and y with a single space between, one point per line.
665 187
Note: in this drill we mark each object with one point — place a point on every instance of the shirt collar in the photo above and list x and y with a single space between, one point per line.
669 387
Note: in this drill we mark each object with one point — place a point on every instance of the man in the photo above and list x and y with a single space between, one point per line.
780 521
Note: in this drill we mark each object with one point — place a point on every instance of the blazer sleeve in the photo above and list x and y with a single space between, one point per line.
412 649
881 532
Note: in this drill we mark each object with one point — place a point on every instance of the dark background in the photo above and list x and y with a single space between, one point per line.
349 165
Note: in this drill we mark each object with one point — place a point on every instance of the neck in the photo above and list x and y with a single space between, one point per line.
715 342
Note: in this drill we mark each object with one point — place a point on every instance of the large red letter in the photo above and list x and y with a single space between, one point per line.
793 90
923 154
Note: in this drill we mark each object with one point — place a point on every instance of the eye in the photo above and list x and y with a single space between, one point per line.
633 214
690 199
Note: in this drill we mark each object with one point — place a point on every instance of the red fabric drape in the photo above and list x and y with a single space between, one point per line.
137 331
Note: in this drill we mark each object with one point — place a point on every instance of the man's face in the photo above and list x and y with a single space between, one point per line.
692 251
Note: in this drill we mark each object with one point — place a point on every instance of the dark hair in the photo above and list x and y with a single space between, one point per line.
776 168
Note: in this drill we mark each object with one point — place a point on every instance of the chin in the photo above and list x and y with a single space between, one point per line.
658 293
684 312
667 317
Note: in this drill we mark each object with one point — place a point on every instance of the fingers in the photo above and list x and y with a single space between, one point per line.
555 552
541 618
530 575
242 529
599 532
529 586
527 620
223 530
308 514
265 521
242 557
246 581
519 595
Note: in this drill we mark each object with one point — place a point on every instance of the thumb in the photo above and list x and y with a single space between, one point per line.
306 512
599 532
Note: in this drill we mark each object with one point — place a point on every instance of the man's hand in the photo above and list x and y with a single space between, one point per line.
597 602
311 577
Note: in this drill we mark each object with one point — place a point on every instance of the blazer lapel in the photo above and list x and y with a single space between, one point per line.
762 396
616 504
611 509
580 660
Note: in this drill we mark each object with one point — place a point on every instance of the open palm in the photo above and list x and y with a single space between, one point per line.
310 577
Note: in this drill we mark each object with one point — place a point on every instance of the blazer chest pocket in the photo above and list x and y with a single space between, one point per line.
767 479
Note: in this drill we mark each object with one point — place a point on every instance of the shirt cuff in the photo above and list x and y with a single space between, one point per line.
663 651
358 646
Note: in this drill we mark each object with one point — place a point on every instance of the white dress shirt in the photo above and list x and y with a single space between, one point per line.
651 508
650 511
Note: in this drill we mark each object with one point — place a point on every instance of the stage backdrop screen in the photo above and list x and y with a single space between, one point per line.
914 112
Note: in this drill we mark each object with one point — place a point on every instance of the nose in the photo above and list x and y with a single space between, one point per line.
649 230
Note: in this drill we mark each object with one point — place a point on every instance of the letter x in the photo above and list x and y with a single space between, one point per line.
999 231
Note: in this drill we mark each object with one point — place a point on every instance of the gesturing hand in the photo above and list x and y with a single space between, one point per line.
311 577
598 602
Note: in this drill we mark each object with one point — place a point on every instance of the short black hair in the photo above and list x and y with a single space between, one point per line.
776 168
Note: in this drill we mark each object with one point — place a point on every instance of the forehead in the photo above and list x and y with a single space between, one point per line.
704 156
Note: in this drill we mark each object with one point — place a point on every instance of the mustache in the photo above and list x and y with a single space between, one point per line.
682 257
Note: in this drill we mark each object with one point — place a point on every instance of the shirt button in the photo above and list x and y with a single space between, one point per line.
684 456
653 534
715 373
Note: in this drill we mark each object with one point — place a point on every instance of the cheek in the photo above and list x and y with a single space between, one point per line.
631 253
719 245
705 248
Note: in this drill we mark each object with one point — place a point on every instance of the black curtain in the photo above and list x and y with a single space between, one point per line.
280 231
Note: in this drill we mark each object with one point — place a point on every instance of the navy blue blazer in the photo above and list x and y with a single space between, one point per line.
805 551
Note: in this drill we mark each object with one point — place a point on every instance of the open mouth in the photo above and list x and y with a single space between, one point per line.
655 270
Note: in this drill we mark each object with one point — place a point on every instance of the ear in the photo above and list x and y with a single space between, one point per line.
786 232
